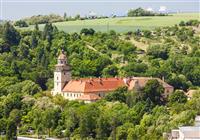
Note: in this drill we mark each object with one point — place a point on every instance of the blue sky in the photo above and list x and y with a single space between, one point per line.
16 9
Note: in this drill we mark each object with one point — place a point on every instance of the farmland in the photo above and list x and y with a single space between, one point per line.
124 24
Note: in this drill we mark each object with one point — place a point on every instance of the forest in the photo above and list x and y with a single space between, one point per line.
28 57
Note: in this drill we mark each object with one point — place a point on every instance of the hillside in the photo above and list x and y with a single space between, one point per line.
123 24
27 64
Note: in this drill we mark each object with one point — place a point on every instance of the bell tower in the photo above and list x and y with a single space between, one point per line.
62 73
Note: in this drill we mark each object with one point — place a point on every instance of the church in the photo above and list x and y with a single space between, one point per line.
93 89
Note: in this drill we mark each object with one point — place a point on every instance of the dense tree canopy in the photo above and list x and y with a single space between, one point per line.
28 57
142 12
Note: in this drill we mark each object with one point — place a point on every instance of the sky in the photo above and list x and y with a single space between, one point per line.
17 9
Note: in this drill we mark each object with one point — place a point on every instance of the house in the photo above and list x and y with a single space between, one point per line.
93 89
190 93
186 132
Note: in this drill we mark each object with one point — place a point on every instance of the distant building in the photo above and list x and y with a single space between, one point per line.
186 132
190 93
92 15
93 89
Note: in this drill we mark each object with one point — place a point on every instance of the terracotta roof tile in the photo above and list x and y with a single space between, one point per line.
91 85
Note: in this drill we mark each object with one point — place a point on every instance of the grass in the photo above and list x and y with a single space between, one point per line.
124 24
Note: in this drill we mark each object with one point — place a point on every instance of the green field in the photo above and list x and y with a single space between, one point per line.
124 24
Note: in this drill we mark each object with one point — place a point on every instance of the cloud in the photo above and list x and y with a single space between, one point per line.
149 9
162 9
92 13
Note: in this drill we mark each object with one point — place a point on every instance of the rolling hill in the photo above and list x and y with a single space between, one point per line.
123 24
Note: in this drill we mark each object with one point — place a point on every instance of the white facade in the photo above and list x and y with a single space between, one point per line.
187 132
71 95
62 74
60 79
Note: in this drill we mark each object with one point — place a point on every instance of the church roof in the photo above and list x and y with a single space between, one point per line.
92 85
96 85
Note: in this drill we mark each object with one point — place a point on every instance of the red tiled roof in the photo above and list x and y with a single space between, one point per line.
92 85
143 80
89 97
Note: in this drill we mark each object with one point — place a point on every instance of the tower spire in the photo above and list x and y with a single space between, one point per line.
62 51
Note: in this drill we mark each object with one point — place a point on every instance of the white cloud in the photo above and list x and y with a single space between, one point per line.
92 13
162 9
149 9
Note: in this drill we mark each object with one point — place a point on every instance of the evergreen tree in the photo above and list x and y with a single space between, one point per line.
10 34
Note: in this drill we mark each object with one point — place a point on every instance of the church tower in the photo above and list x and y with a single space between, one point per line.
62 74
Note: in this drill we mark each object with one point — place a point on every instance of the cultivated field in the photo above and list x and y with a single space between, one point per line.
124 24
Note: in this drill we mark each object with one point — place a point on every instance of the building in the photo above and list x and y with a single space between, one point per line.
186 132
92 89
191 93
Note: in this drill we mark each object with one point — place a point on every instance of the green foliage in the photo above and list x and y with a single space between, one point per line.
11 130
141 12
26 70
86 31
192 23
135 69
10 34
21 23
110 71
153 90
42 19
147 34
158 51
177 97
182 23
117 95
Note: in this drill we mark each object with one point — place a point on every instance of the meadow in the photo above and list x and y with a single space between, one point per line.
124 24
